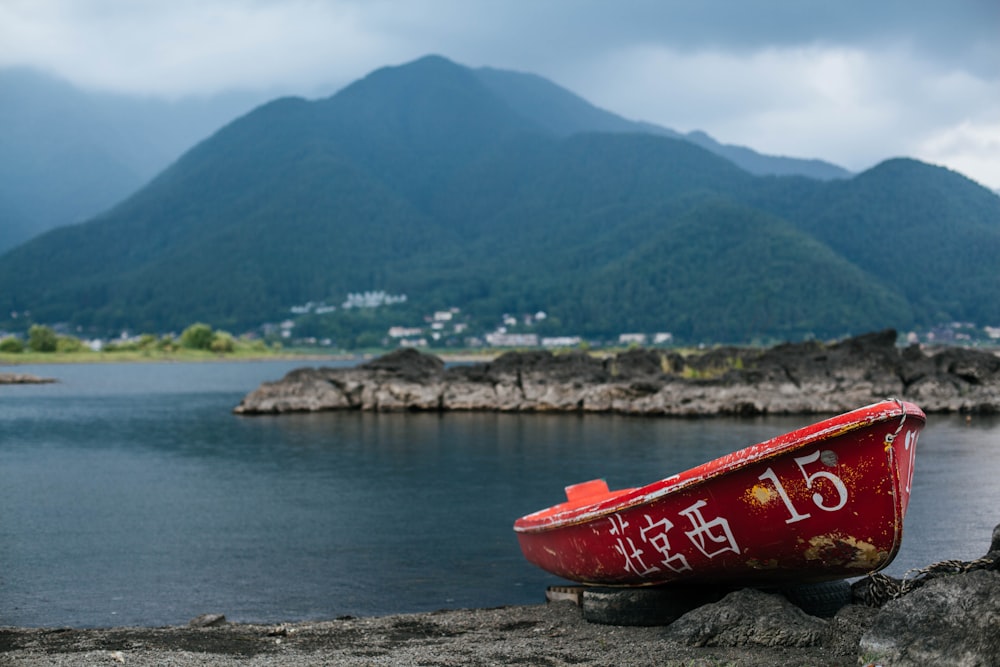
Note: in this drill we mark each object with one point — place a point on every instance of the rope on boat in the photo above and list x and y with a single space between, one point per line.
882 588
891 437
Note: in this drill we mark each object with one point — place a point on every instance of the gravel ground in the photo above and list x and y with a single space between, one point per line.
550 634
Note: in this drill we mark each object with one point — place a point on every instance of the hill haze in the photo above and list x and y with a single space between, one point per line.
67 154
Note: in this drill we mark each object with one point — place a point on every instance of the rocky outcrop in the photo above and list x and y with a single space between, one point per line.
799 378
947 617
748 617
951 618
23 378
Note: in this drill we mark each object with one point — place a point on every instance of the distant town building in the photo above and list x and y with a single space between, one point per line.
561 341
663 338
498 339
372 299
404 332
632 339
313 307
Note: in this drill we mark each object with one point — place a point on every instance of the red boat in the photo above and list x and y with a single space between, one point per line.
823 502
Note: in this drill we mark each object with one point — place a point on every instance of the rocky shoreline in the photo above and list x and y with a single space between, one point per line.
23 378
945 615
800 378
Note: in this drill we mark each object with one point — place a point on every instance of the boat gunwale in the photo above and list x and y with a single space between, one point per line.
867 416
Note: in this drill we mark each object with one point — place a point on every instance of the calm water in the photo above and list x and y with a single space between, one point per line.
130 495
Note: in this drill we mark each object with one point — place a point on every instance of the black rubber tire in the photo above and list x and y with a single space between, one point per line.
662 605
645 606
822 599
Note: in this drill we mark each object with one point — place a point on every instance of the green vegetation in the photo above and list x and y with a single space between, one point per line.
418 181
198 337
201 342
42 339
11 345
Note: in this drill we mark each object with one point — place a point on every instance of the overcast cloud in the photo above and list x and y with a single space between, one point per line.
853 82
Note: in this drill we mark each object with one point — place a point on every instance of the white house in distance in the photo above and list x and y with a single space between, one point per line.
404 332
632 339
504 339
660 338
561 341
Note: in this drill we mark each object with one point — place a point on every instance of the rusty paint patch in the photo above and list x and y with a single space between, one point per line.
762 494
845 550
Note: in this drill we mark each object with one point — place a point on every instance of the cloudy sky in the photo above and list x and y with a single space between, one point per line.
853 82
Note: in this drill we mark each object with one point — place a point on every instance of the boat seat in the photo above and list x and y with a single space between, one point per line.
587 493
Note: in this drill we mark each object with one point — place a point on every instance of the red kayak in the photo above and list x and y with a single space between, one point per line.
824 502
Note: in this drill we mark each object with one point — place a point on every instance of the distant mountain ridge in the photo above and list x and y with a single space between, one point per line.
564 113
67 154
422 180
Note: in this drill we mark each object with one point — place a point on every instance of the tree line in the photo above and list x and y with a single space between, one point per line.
197 337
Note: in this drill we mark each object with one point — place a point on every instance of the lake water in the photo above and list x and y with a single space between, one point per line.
130 495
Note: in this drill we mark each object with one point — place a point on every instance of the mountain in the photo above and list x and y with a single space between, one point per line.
422 180
563 113
67 154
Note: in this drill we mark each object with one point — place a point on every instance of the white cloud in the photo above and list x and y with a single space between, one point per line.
186 46
850 106
970 148
807 101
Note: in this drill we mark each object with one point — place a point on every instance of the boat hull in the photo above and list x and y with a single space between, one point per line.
823 502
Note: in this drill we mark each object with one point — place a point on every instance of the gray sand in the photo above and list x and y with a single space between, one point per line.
549 634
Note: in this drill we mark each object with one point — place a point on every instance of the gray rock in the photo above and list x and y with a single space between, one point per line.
23 378
301 390
408 364
842 634
748 617
802 378
207 621
950 620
